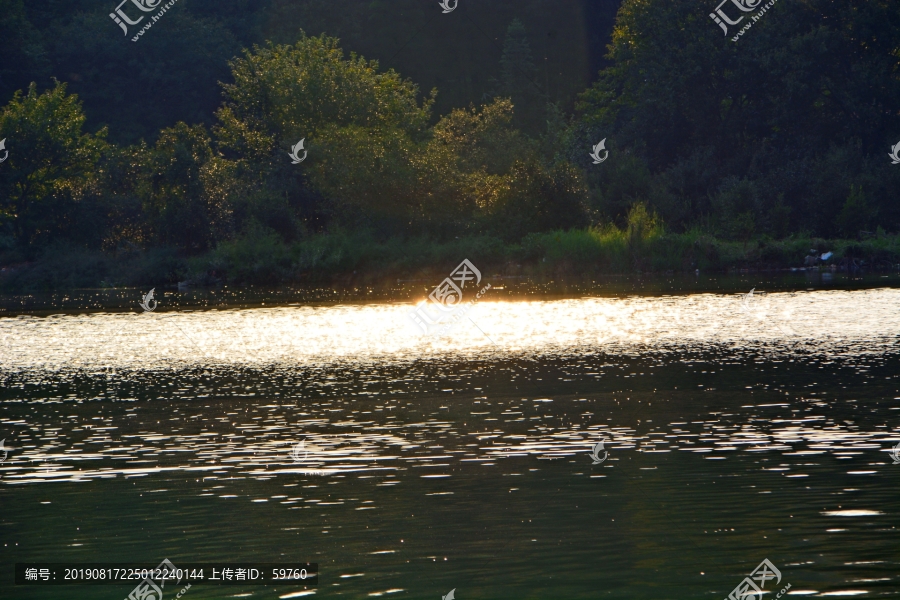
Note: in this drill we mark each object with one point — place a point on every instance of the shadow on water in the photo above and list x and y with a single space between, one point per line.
505 287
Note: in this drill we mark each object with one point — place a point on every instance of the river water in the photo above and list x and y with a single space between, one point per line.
735 428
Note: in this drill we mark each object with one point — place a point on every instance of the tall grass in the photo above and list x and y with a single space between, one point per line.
359 257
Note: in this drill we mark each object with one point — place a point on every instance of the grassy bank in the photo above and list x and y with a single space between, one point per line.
360 258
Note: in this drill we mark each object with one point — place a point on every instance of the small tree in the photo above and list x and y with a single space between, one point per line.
180 211
533 198
856 214
517 75
642 224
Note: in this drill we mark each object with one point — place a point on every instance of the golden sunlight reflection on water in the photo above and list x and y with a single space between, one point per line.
383 331
774 414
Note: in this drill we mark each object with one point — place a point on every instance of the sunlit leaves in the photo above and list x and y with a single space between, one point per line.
51 159
281 94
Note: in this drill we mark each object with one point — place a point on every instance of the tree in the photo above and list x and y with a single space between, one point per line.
518 77
178 207
483 139
51 165
856 215
138 89
360 126
282 94
533 198
24 55
809 82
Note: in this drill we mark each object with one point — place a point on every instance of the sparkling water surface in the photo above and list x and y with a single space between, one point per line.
736 427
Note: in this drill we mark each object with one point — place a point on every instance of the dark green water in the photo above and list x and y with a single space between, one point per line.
462 463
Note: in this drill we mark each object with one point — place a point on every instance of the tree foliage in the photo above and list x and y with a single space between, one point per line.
784 130
52 163
779 124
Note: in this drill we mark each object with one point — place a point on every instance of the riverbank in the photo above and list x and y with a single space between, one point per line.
346 259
